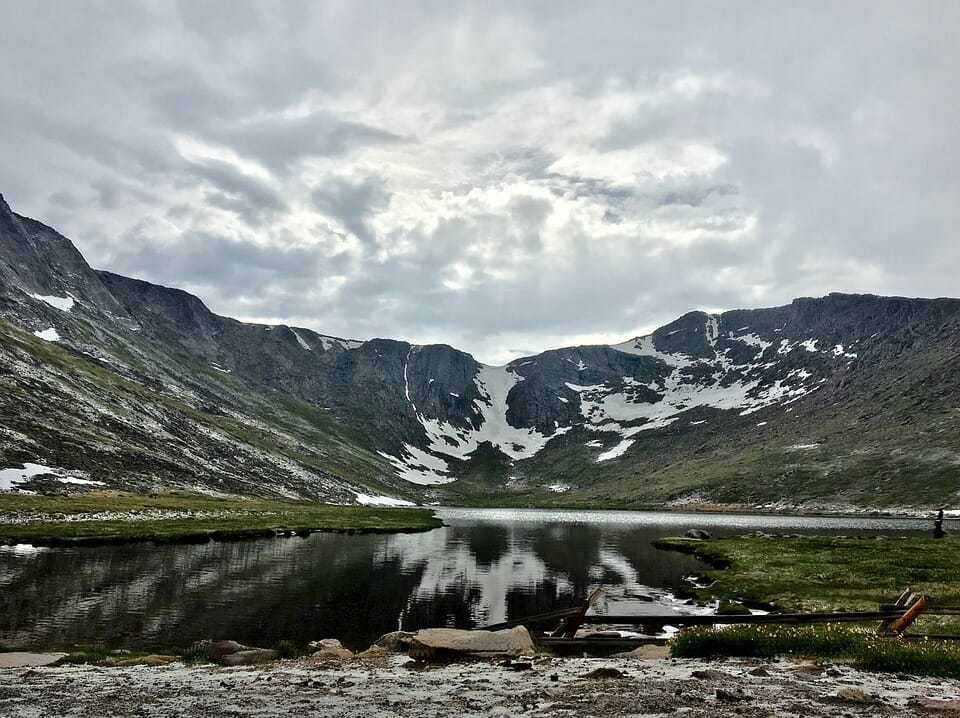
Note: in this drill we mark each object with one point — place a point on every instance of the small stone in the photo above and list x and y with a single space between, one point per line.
710 675
729 697
852 695
330 649
698 534
555 677
647 653
834 672
811 669
760 671
605 673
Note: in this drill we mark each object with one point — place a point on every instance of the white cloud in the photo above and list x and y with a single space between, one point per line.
502 179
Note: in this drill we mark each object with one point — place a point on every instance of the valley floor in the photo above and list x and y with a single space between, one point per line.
551 687
107 517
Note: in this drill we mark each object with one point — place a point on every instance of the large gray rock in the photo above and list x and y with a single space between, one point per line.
440 642
28 660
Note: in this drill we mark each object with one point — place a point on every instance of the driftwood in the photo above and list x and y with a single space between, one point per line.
568 629
912 614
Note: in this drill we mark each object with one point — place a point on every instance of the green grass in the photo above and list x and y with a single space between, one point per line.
858 647
236 518
824 573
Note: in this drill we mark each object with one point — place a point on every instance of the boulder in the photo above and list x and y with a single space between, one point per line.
330 648
697 534
433 643
28 660
216 650
396 642
250 657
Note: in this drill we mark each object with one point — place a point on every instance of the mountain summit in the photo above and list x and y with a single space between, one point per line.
845 400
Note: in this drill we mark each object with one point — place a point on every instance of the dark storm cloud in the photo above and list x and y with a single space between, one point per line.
352 203
247 196
491 175
279 142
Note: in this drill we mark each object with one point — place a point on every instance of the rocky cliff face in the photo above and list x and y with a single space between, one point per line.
844 398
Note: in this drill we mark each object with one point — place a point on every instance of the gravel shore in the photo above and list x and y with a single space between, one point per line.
396 686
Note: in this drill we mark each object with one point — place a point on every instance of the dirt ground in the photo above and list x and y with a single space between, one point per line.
395 686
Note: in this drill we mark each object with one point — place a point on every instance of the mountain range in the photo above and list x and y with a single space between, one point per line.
836 402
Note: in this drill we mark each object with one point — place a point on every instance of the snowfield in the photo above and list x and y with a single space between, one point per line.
623 408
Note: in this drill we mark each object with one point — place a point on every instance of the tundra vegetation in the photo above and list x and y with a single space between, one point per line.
109 517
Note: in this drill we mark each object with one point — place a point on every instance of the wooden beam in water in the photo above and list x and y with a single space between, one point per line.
711 619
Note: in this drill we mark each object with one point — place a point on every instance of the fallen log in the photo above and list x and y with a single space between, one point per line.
674 619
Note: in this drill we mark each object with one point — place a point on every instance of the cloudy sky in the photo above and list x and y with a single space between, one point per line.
501 177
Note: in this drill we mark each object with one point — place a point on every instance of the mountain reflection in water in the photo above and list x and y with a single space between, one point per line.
483 567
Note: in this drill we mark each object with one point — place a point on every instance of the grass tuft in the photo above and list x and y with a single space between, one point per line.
860 648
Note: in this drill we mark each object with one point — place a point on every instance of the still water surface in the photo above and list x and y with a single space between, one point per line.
484 566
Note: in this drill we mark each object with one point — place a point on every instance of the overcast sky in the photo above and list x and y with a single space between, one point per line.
504 178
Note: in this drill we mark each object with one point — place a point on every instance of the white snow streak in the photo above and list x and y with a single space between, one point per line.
48 335
368 500
301 341
64 304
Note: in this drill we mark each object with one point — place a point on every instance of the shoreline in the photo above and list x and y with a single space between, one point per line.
545 686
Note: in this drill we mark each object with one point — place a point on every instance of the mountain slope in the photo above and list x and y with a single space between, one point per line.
846 399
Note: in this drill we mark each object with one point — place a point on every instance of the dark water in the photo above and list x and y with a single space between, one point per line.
484 566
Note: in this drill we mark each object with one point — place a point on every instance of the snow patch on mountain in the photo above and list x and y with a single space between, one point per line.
64 304
12 479
419 467
616 451
494 385
48 335
301 341
368 500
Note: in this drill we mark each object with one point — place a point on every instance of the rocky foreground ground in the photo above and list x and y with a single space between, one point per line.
395 685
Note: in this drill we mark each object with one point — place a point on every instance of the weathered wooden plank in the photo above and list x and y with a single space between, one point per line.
710 619
536 619
907 619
